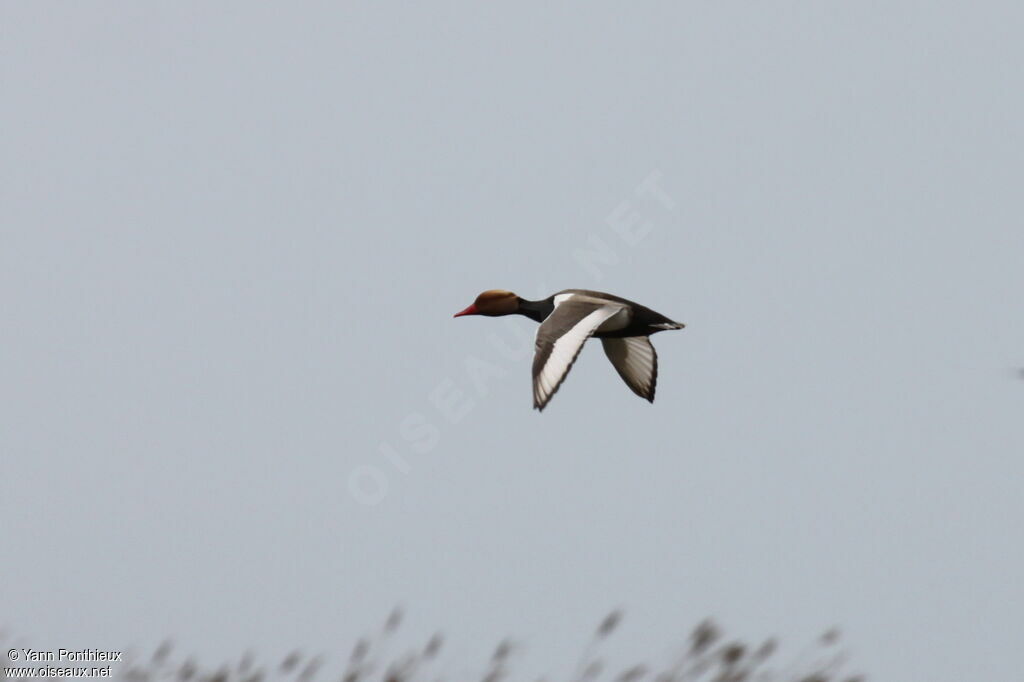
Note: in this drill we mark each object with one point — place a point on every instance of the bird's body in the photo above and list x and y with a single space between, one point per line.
567 319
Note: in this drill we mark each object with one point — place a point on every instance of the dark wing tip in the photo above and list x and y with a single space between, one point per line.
539 403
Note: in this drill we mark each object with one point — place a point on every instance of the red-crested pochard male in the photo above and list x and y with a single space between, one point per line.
567 319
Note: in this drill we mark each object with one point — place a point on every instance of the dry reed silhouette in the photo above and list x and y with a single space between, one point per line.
706 656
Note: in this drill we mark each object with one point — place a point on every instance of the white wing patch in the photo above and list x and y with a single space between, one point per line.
636 362
564 351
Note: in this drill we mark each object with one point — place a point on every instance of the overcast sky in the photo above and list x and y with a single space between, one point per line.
237 409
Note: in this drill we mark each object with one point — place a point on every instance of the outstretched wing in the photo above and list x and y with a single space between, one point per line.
559 340
636 362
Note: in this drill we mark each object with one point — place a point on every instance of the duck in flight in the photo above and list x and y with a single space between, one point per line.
567 319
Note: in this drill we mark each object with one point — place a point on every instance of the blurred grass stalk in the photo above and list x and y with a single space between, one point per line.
706 656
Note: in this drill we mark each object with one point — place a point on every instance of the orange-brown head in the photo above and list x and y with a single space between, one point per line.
493 303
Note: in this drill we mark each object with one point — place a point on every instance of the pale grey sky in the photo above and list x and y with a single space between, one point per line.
234 235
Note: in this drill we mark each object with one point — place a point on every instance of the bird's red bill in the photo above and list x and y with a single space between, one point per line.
471 310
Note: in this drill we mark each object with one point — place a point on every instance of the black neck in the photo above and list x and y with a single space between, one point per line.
537 311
